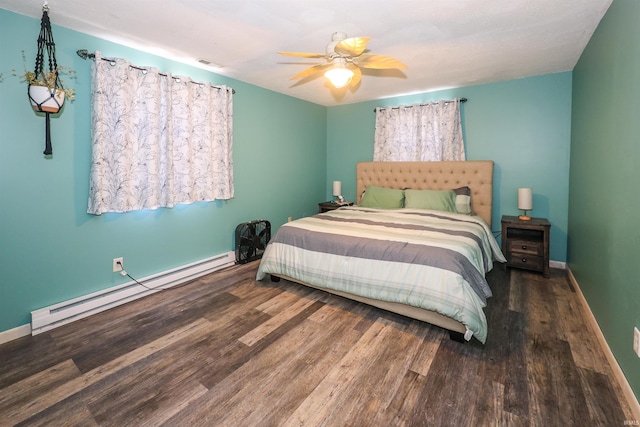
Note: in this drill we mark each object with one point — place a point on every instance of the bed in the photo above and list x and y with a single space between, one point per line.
418 260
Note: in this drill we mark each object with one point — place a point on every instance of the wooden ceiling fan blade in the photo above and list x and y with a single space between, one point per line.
357 75
353 46
303 54
320 68
379 62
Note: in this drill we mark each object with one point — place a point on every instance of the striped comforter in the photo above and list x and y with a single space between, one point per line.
428 259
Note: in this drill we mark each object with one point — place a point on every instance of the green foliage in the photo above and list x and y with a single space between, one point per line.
46 78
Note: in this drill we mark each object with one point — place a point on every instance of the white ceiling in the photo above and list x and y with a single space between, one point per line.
445 43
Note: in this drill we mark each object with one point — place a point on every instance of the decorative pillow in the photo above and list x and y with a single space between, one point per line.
440 200
463 200
462 191
383 198
463 204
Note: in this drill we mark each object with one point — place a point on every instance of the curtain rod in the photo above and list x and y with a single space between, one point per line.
84 54
409 106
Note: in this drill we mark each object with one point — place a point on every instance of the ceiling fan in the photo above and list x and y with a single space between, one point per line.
345 57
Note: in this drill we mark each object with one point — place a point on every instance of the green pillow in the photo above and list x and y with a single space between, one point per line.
383 198
440 200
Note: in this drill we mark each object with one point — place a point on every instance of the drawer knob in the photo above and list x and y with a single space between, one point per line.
524 260
524 246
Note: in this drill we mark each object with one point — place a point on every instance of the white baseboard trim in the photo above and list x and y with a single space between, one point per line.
558 264
56 315
632 400
15 333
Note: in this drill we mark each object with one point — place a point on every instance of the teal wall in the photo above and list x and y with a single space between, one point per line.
51 250
522 125
604 207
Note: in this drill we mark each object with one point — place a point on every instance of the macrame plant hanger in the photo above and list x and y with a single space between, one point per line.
50 77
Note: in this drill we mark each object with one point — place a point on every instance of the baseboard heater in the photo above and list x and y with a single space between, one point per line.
65 312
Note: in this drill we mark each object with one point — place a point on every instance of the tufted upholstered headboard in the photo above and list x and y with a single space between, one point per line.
476 174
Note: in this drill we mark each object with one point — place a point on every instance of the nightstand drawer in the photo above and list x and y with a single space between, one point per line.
523 260
526 247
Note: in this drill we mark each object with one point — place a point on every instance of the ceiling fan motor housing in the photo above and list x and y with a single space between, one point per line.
336 38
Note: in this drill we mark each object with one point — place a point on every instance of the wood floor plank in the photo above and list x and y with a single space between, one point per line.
514 362
427 351
242 305
399 411
501 331
153 389
504 368
579 334
241 353
285 372
282 316
296 377
20 393
517 292
22 357
44 400
541 309
279 303
156 408
377 392
328 396
598 391
65 413
489 411
131 331
557 395
452 386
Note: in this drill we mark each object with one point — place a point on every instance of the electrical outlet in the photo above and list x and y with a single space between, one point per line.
636 341
116 266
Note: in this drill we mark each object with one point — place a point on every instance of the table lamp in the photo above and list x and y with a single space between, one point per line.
337 190
525 203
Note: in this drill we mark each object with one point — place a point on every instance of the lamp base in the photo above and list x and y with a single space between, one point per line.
524 218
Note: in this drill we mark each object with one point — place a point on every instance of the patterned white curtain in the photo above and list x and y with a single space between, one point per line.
420 132
157 140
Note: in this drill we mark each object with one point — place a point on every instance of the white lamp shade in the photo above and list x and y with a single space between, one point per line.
339 75
525 199
337 188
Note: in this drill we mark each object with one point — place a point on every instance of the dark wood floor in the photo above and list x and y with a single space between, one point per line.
227 350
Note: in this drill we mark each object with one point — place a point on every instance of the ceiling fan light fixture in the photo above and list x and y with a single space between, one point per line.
345 57
339 75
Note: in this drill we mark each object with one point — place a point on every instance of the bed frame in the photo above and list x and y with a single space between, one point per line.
477 175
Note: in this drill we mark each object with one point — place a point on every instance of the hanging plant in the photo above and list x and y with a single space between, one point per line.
44 94
46 91
47 80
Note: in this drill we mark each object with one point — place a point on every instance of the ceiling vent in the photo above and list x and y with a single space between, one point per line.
208 63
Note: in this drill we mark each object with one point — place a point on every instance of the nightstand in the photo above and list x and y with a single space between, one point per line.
331 205
525 244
